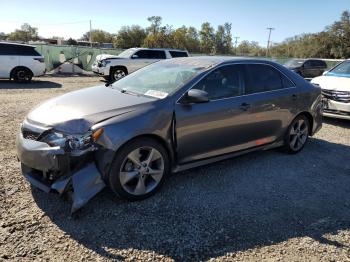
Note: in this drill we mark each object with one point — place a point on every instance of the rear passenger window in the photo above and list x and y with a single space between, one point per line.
26 51
178 54
156 54
263 78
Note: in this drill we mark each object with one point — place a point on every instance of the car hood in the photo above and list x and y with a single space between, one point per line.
77 111
332 83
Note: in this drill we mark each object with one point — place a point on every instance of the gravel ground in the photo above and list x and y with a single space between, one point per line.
265 206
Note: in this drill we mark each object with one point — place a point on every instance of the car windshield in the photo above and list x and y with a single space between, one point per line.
127 53
159 79
343 69
294 63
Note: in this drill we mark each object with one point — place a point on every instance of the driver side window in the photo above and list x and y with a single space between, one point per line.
224 82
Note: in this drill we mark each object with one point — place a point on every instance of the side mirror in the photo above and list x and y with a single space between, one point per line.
325 72
134 56
196 96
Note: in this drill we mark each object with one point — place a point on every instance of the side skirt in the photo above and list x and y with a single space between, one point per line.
207 161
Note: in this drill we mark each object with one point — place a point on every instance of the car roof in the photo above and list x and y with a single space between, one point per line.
210 61
163 49
14 43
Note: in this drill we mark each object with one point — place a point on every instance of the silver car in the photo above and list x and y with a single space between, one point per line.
167 117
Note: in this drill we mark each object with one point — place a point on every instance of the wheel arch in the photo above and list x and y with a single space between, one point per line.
105 159
309 117
19 67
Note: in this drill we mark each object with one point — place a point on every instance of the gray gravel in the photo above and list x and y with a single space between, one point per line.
262 206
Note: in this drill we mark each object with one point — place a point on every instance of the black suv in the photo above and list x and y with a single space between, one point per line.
307 68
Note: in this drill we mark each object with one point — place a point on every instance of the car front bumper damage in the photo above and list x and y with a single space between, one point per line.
40 162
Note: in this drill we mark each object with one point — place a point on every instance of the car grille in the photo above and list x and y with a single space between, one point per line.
340 96
31 135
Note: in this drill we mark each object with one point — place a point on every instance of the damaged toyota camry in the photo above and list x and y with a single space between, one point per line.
167 117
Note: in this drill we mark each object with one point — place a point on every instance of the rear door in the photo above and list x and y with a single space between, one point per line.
145 57
273 100
8 59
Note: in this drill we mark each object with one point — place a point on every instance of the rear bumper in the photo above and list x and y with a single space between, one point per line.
41 163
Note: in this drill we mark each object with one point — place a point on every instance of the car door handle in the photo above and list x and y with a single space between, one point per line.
244 106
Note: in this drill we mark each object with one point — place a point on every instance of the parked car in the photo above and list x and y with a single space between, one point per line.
166 117
307 68
335 85
20 62
113 68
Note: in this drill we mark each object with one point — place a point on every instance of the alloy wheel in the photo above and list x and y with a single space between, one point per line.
141 171
298 134
118 74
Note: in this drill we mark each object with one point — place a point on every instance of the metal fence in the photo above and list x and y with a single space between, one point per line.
55 55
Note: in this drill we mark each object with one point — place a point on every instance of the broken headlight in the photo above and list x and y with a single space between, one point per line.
73 142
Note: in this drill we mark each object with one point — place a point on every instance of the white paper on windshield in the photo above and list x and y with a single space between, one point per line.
157 94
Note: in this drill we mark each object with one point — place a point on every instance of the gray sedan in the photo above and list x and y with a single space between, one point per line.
167 117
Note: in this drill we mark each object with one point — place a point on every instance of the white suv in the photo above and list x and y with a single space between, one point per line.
113 68
20 62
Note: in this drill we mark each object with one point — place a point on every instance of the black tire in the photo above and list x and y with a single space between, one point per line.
298 131
117 73
121 160
22 75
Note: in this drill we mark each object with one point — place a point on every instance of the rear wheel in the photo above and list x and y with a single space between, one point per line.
139 169
117 73
22 75
297 135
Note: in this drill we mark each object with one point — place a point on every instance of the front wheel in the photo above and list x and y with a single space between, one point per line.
297 135
117 73
139 169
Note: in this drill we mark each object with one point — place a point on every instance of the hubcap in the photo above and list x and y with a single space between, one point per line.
141 171
119 74
298 134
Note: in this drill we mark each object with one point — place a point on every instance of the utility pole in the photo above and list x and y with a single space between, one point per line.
236 42
90 36
268 41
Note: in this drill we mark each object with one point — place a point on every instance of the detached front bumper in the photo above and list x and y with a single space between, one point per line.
48 168
101 71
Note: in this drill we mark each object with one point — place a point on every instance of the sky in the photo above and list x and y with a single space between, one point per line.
249 18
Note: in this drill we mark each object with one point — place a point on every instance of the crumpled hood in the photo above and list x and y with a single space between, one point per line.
77 111
332 83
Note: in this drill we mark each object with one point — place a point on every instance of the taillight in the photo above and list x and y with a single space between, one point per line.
41 59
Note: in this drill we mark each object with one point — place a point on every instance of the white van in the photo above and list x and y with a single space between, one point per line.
20 62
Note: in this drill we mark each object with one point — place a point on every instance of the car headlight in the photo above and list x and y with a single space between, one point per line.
73 142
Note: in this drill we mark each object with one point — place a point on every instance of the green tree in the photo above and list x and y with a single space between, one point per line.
3 36
25 34
99 36
223 39
72 41
207 38
156 22
130 36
